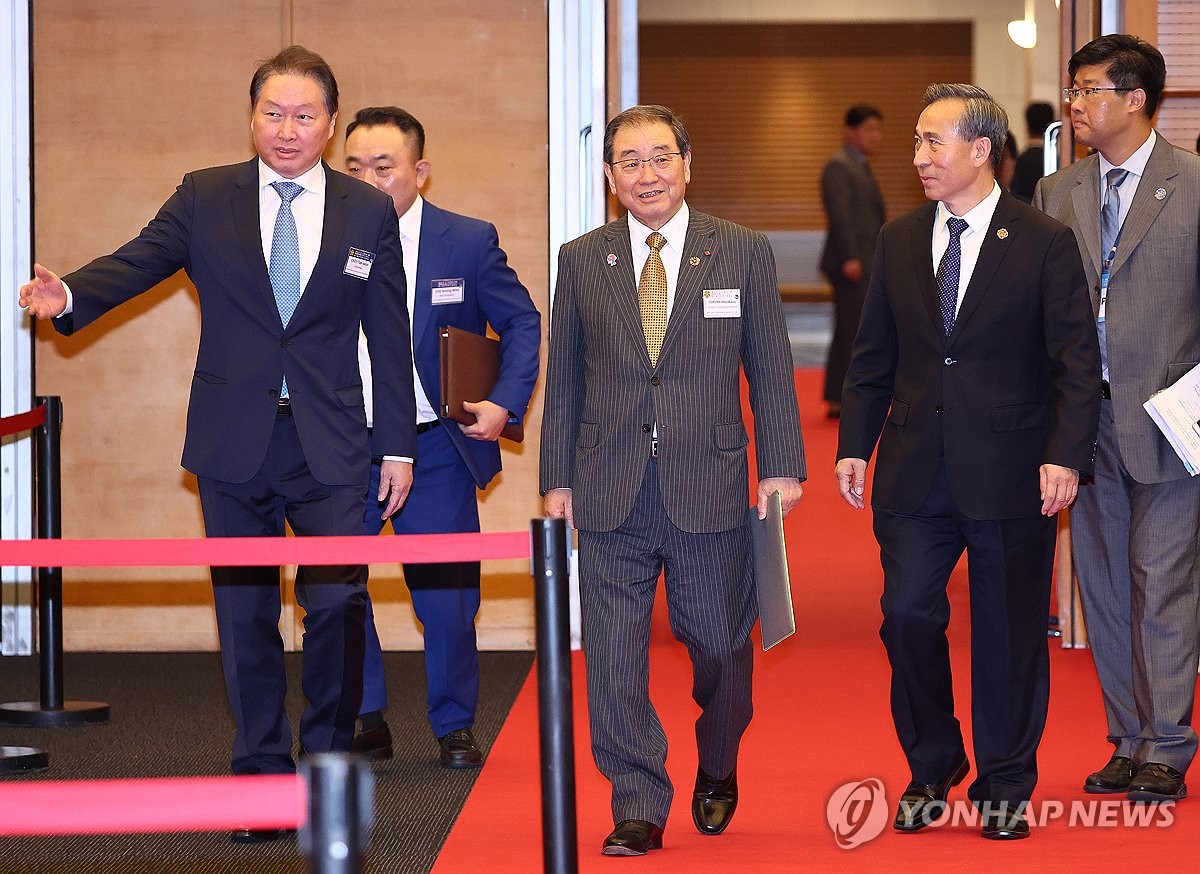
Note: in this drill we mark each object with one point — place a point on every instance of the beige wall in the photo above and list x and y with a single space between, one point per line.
131 94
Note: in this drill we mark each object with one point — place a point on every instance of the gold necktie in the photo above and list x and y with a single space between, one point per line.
652 297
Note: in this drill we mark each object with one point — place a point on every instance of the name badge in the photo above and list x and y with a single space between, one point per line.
359 263
447 291
722 303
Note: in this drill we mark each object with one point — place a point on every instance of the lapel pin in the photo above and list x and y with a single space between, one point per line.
612 259
1160 194
694 261
1002 234
707 252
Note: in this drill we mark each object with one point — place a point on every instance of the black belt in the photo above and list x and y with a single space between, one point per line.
422 427
284 408
1105 390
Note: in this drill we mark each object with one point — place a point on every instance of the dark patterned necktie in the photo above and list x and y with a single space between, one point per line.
947 273
652 297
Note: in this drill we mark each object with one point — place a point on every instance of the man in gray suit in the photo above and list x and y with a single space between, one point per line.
644 450
1135 209
854 212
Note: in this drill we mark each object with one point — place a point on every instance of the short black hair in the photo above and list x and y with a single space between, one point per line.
374 116
301 62
1038 117
1130 63
861 112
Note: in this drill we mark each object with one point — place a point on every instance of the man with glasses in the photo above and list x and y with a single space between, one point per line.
1135 209
644 450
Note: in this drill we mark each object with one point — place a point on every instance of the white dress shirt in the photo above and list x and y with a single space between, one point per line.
978 219
410 242
308 209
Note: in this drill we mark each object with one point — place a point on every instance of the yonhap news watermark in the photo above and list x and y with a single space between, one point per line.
859 812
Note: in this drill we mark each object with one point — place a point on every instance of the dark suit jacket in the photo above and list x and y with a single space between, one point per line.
1152 321
1015 385
603 397
210 228
854 213
457 247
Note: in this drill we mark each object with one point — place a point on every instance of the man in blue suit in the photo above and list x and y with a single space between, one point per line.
288 259
457 275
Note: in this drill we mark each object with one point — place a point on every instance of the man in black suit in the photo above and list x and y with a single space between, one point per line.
287 257
854 212
1031 165
982 379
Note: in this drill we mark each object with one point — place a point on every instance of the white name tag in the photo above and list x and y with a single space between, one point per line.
447 291
722 303
359 263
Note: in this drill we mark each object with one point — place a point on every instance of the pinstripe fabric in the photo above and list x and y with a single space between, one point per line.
712 608
1134 527
683 512
603 397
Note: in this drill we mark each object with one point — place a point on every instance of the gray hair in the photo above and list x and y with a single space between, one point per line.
640 116
982 116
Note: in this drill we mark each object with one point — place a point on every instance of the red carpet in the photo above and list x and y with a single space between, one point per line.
821 721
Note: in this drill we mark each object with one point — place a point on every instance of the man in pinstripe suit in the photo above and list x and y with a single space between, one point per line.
644 451
1134 527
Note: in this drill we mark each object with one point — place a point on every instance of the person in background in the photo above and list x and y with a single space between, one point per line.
457 275
854 212
1031 165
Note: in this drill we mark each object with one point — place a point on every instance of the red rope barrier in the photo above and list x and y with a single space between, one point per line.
263 551
22 421
194 804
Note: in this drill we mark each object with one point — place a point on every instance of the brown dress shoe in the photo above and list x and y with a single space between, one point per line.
713 802
633 837
1156 782
458 749
1113 777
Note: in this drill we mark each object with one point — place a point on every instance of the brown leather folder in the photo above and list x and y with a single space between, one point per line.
470 370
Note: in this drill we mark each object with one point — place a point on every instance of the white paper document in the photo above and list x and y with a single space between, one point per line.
1176 412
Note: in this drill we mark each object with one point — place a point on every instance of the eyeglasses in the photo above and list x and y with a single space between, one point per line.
633 166
1069 94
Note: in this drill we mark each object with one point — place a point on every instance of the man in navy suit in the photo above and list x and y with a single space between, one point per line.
978 381
457 275
276 427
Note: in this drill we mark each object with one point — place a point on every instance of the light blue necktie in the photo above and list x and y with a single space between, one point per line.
284 269
947 273
1110 229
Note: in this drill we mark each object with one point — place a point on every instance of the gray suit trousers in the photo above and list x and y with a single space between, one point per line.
712 607
1135 551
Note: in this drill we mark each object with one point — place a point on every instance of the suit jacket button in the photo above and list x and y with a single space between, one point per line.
654 380
273 392
646 429
939 409
949 361
284 343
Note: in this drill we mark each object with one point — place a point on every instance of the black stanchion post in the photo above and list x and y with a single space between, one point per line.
560 840
341 806
51 710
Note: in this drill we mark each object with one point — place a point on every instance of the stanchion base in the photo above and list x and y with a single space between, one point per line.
13 759
71 713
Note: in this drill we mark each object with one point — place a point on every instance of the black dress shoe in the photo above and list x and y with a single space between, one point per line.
1155 781
259 835
374 743
1005 824
633 837
1113 777
459 750
924 803
713 802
